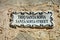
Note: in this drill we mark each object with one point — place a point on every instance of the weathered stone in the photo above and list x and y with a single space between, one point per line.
56 2
23 36
8 6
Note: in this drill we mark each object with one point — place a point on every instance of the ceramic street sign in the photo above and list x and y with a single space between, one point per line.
32 19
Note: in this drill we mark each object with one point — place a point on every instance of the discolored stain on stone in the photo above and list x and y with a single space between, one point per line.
1 30
58 15
23 36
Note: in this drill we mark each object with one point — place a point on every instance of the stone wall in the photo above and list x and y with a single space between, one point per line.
8 33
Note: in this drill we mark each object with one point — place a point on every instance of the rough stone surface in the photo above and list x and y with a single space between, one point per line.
8 33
